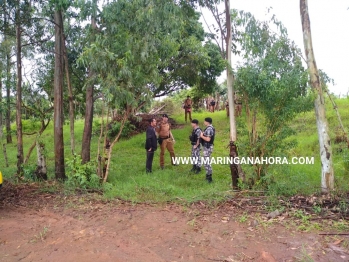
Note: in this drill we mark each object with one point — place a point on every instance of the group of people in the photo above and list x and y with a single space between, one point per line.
237 105
200 140
187 106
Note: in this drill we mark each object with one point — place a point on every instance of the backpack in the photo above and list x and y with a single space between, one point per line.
194 137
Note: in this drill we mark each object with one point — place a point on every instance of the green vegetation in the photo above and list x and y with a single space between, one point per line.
128 180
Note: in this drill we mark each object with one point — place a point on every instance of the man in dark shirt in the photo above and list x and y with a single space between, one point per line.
195 149
150 144
212 105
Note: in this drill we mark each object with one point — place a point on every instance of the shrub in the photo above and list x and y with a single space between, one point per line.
82 175
114 129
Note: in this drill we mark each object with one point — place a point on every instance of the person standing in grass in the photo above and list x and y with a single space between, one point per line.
166 140
150 144
187 108
212 105
227 107
207 141
195 150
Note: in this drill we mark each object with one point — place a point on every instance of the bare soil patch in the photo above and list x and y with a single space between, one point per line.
37 226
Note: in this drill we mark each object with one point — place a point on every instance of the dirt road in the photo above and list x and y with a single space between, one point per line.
57 229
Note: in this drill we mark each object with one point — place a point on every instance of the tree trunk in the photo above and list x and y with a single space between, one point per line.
126 114
70 92
1 114
19 95
218 100
230 86
8 100
8 84
327 173
5 154
86 138
254 127
207 99
41 169
100 159
58 98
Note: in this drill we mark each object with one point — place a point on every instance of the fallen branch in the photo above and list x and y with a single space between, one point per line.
154 111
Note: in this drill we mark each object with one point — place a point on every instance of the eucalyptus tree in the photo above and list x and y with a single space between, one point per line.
272 82
89 9
327 172
59 7
20 24
223 34
8 45
20 155
135 39
1 102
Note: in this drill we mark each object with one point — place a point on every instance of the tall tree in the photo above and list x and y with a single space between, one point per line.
70 93
224 40
327 173
8 98
58 95
20 154
87 133
235 169
1 105
7 39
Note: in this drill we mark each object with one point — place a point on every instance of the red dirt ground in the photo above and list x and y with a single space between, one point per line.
47 227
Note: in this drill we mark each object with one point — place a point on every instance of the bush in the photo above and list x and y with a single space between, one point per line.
114 129
29 172
30 125
82 175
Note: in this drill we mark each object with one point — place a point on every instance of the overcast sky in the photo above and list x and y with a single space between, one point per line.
329 21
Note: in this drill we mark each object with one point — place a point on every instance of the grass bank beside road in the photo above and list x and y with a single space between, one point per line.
128 180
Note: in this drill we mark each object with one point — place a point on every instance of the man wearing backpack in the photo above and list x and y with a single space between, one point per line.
195 149
207 142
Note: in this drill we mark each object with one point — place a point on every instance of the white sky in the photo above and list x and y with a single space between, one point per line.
329 21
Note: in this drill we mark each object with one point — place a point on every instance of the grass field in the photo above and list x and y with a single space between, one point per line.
128 180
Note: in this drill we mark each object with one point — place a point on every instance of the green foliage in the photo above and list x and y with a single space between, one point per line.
115 128
346 162
132 67
273 85
171 107
81 175
29 172
30 125
127 60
